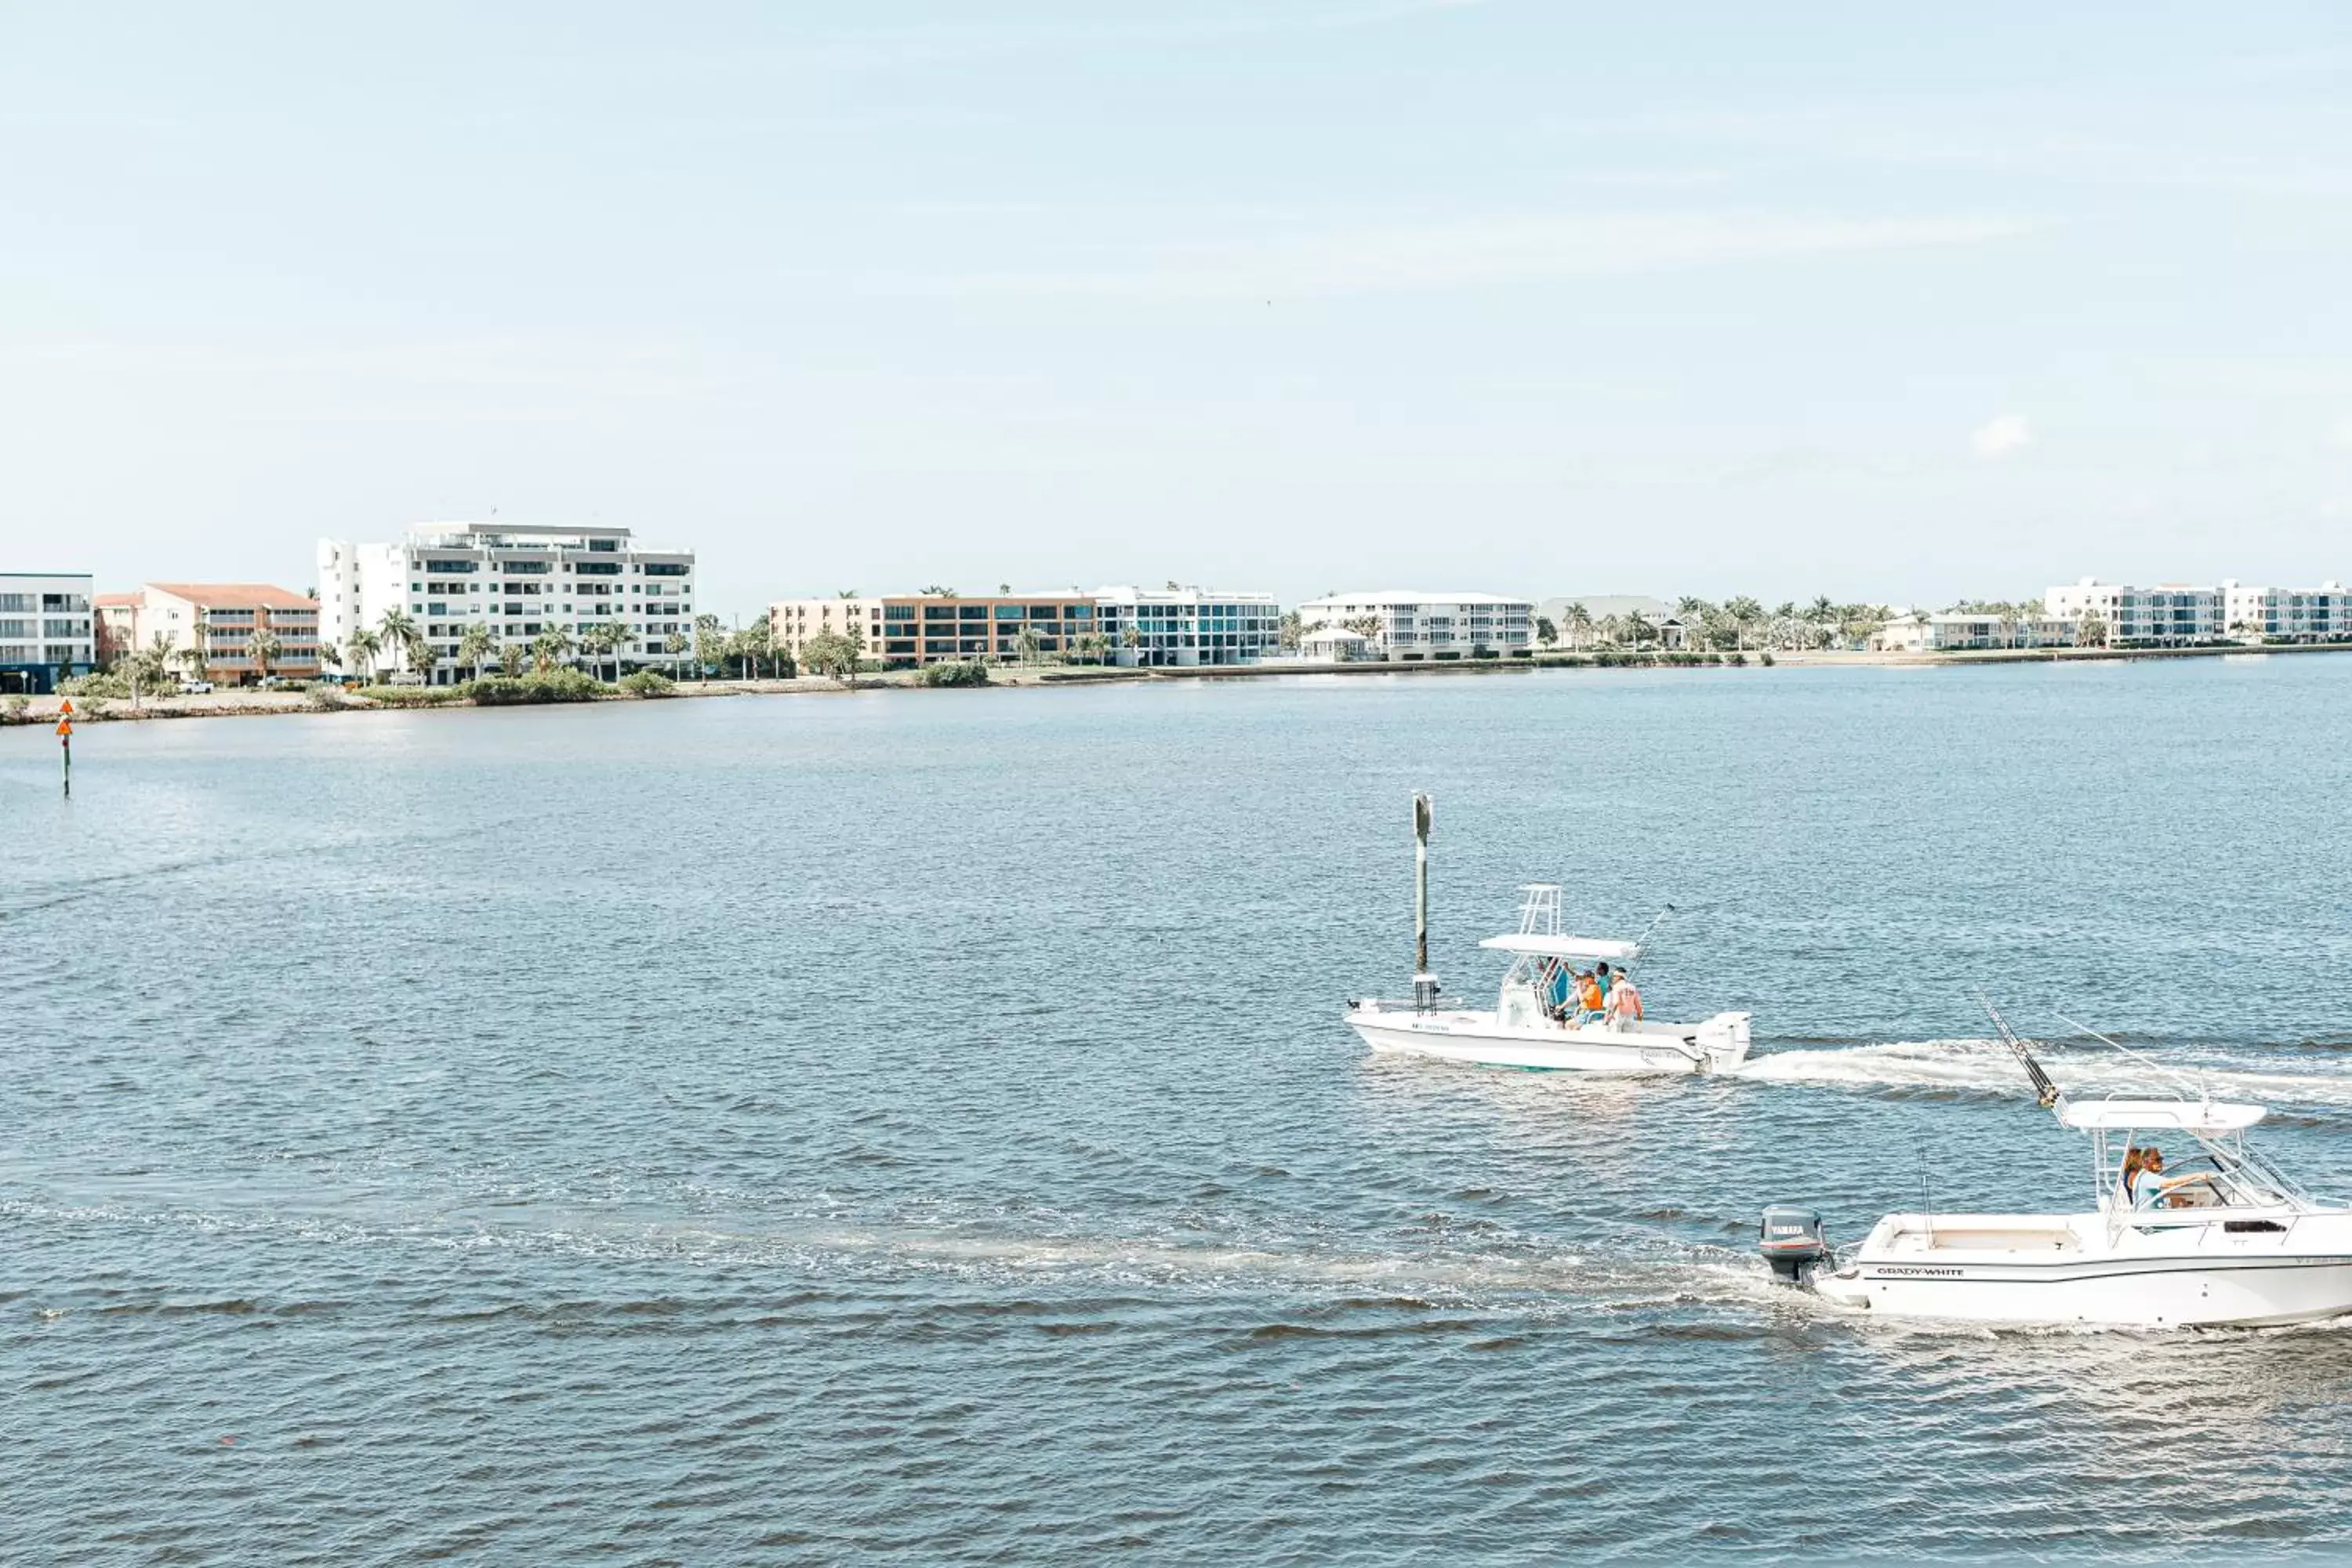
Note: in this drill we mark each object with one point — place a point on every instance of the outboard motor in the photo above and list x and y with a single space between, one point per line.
1791 1241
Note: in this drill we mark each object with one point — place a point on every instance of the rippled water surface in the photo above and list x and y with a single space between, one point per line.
919 1126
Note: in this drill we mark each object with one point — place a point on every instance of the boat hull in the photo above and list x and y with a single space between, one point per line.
1477 1039
2194 1277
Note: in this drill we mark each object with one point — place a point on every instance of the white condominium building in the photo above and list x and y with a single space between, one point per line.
2289 615
1186 627
1407 626
2170 615
45 629
519 581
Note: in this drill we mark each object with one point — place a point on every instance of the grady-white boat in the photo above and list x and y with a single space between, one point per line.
1521 1032
2236 1244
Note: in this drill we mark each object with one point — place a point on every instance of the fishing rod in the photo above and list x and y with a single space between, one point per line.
2046 1092
1642 942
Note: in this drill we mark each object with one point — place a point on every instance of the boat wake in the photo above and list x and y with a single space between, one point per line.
1985 1067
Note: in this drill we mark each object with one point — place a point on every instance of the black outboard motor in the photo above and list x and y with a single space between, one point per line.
1791 1241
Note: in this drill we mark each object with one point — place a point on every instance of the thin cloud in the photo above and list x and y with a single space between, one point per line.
1447 256
2001 436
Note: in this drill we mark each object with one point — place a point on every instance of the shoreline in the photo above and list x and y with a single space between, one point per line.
254 703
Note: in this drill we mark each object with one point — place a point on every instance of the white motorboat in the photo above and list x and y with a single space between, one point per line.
2223 1238
1525 1029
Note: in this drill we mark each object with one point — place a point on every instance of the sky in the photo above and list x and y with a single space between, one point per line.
1894 304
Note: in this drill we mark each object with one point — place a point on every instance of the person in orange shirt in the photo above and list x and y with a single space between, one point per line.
1589 997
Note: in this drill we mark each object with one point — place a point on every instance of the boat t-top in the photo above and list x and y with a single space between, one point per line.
2222 1238
1527 1027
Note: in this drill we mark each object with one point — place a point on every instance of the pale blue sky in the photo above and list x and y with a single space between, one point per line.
1882 302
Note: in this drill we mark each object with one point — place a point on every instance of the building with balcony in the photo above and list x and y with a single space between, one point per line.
907 631
222 619
48 630
1960 631
1187 628
519 581
2170 615
1410 625
2286 615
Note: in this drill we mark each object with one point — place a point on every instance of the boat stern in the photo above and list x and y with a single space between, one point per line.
1724 1040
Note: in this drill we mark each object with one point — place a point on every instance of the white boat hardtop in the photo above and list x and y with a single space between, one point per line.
1552 945
2220 1237
2192 1116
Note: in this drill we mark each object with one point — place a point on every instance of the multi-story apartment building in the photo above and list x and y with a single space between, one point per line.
905 631
1410 626
2171 614
47 629
791 622
1187 628
519 581
222 619
115 618
2291 615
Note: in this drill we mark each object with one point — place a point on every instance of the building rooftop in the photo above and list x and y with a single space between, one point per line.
115 601
237 595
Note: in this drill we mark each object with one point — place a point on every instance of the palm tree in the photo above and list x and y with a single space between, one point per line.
937 591
2092 632
548 648
1744 613
675 645
757 640
1292 628
264 647
1134 641
361 648
475 644
1371 628
1609 626
192 659
624 639
597 641
511 656
1029 644
1580 622
418 648
709 644
395 632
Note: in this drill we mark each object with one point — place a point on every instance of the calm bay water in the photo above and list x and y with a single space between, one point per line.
917 1126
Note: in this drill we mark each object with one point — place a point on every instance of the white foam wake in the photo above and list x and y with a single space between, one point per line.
1986 1066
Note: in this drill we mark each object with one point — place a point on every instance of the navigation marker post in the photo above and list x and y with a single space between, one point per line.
65 739
1424 983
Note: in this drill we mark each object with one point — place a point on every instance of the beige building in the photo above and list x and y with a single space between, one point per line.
223 618
908 630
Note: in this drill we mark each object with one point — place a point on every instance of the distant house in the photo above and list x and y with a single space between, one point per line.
1666 630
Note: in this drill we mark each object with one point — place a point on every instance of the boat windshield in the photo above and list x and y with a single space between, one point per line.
2228 1177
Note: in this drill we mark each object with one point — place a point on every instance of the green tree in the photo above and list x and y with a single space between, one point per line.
596 642
395 634
1029 644
1579 624
709 644
476 645
675 645
510 659
264 649
1546 633
760 640
2091 631
1293 628
1745 613
831 653
360 650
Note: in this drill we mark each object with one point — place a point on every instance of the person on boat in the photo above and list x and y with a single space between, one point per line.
1591 994
2154 1189
1624 1002
1557 985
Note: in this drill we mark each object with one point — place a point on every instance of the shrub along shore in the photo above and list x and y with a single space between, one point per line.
101 697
